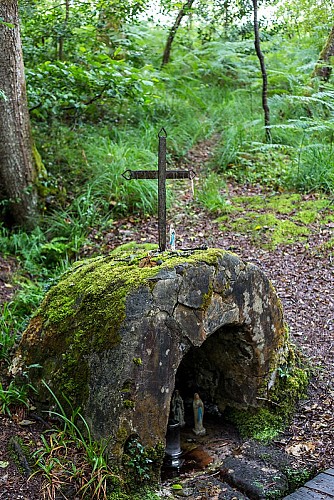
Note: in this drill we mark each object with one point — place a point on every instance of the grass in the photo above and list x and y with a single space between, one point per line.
13 395
70 460
87 472
210 193
208 89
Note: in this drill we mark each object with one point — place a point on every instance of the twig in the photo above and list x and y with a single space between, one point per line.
40 419
268 401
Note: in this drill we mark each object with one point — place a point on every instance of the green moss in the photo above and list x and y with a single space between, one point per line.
306 216
122 434
207 297
128 403
276 219
266 228
133 247
327 247
144 493
287 232
255 221
265 423
251 202
22 454
262 424
284 203
85 310
137 361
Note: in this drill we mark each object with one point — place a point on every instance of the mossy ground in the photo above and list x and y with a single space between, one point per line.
276 219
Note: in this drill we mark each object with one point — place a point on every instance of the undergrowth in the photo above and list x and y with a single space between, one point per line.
72 463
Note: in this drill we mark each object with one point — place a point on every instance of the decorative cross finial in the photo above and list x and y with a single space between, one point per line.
161 174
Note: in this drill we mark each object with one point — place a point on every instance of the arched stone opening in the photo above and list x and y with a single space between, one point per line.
219 370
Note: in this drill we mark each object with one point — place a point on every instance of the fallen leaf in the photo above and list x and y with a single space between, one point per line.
299 449
27 422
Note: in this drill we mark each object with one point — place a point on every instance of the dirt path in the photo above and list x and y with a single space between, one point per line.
302 273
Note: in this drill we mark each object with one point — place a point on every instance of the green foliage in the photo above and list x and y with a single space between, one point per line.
8 322
70 458
88 473
137 460
13 395
36 254
41 262
262 425
314 170
88 88
97 101
141 464
298 477
210 195
97 111
262 217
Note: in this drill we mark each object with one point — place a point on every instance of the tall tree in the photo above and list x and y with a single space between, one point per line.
260 56
323 69
61 38
17 166
185 9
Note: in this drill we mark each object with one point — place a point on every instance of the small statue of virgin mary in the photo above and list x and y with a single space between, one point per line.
198 408
172 237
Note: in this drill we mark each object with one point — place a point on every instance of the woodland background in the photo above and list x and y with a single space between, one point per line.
100 79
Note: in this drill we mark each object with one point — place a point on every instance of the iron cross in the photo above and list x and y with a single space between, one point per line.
161 174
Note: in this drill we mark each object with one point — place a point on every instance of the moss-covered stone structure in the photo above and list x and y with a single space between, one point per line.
117 333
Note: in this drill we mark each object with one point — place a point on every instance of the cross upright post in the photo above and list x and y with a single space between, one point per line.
162 189
161 175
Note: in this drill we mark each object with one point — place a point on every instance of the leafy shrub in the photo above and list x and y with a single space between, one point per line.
62 88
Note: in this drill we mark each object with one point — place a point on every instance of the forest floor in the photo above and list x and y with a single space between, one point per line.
295 250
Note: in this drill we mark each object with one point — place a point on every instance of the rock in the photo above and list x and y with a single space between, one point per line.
257 471
210 487
254 480
116 339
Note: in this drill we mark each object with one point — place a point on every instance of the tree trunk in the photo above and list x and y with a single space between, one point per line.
323 68
263 72
61 39
183 12
17 167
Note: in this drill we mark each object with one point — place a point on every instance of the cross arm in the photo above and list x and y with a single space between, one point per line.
153 174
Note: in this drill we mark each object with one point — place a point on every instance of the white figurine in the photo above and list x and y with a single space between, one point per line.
172 237
198 408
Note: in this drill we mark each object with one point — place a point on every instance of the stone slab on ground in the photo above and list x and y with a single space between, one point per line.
319 488
210 487
254 478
